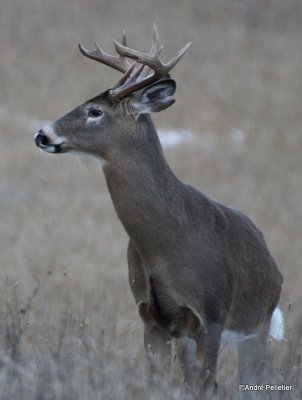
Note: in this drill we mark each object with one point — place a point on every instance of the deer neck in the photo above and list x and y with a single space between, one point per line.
143 188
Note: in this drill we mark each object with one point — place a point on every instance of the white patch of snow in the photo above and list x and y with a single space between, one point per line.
170 138
238 136
228 336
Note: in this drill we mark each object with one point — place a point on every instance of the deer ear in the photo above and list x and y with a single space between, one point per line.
155 97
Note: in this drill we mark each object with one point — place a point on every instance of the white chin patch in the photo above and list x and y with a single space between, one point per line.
83 153
50 149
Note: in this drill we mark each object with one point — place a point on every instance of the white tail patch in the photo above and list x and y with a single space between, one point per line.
276 330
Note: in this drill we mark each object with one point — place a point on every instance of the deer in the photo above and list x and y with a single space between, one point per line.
200 271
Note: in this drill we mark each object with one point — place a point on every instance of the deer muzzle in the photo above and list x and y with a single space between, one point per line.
49 142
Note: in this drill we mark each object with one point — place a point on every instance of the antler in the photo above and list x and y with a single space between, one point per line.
132 80
118 62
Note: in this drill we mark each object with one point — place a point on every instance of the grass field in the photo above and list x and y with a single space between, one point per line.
70 328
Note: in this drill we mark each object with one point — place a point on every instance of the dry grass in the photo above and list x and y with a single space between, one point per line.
69 324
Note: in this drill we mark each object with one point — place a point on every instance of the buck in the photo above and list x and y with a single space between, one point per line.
200 272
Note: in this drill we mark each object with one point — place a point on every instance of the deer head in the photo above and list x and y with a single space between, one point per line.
108 121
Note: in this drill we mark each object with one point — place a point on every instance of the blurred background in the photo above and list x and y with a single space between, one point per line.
70 327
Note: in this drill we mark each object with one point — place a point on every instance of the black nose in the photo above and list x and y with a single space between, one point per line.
41 139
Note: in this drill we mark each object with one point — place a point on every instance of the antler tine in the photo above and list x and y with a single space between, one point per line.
127 52
155 40
124 38
178 56
124 77
137 73
118 62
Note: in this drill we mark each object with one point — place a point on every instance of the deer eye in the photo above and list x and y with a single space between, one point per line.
95 113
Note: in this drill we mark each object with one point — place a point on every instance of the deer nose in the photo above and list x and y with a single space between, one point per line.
41 139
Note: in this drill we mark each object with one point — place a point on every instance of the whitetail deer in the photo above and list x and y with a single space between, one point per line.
200 272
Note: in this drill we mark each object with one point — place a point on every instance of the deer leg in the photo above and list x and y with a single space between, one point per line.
157 345
253 358
158 351
186 352
208 342
249 361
